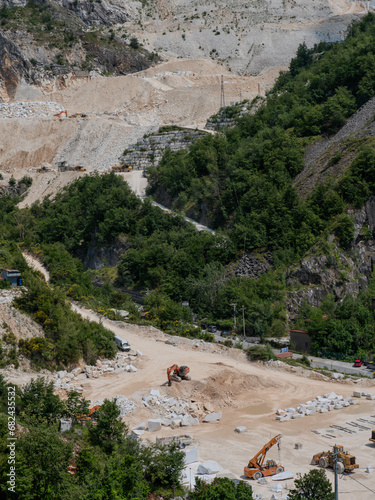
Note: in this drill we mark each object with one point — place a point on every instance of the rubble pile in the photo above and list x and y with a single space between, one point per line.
321 404
76 378
28 109
123 404
173 412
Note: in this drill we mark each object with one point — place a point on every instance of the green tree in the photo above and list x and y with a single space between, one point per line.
76 405
312 486
163 465
42 461
134 44
221 489
109 430
345 230
38 402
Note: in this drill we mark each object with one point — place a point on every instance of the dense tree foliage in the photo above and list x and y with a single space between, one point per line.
98 462
243 180
221 489
312 486
341 330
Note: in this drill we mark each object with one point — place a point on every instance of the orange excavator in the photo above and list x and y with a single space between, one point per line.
257 468
59 115
90 415
177 373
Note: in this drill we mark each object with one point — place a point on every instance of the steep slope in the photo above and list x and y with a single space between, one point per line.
41 41
245 36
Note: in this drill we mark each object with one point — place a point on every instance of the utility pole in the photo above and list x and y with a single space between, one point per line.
222 98
243 322
336 475
234 315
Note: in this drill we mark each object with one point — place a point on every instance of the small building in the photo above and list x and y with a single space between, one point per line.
284 355
301 341
13 276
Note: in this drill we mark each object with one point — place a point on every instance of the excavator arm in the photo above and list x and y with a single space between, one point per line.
172 369
257 461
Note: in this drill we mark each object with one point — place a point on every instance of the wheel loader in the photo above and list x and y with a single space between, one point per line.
345 461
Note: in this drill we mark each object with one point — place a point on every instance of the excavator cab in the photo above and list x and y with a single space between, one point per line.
177 373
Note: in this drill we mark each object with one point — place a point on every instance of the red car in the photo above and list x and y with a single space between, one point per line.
357 363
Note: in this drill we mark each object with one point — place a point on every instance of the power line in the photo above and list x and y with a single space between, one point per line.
372 491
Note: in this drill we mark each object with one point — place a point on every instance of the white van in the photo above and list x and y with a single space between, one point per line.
122 343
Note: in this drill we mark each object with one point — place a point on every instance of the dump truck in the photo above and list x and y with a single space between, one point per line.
345 461
257 468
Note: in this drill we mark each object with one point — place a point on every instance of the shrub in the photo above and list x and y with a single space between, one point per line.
260 353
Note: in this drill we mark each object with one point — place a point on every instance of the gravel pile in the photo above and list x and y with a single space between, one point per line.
28 109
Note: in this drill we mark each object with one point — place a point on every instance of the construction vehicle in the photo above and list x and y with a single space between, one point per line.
88 416
122 344
122 168
79 168
345 461
256 467
177 373
59 115
43 169
77 115
372 438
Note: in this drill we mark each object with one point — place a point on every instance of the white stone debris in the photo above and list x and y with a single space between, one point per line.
240 429
124 404
29 109
123 362
213 417
171 411
321 404
209 467
154 425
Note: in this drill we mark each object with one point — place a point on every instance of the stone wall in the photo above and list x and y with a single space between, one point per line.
148 152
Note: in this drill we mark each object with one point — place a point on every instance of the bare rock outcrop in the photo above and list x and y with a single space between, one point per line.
340 273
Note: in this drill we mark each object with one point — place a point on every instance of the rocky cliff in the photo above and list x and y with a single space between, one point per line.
336 272
42 41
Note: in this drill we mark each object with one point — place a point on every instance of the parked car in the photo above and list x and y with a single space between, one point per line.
357 363
212 329
226 333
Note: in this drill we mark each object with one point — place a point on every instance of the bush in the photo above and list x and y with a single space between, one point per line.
134 44
345 230
260 353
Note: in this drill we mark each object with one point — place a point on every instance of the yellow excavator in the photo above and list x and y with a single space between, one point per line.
256 467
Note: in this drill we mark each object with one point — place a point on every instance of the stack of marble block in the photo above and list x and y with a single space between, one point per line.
321 404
